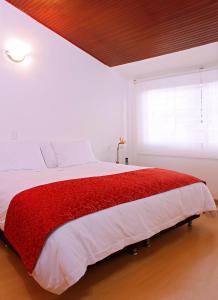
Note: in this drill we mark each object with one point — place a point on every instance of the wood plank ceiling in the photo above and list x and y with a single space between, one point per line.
123 31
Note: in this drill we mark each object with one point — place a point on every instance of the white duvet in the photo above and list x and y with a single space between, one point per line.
82 242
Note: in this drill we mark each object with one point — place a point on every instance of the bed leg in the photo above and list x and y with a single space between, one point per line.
190 224
4 244
148 243
133 251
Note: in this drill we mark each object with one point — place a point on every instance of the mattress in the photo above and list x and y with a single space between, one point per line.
84 241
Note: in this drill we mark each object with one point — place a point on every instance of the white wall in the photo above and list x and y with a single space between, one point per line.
202 168
63 94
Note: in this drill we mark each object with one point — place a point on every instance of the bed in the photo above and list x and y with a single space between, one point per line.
72 247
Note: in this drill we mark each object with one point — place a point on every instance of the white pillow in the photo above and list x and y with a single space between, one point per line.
20 156
49 155
73 153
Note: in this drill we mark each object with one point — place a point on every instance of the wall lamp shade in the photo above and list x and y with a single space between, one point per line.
17 50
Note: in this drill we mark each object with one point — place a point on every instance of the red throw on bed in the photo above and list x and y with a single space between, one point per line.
35 213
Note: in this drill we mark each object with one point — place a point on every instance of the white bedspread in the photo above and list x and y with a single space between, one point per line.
82 242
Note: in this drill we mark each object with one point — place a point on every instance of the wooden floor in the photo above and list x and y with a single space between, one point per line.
180 265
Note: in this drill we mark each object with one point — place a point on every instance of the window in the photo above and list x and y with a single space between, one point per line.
179 115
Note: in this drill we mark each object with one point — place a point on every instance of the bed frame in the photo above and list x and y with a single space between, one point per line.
132 249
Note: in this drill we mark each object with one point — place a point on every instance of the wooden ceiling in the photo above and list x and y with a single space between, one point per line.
123 31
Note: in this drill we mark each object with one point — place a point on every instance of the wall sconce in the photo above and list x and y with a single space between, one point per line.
122 141
16 50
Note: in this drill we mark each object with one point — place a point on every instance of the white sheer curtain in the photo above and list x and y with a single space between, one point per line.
178 115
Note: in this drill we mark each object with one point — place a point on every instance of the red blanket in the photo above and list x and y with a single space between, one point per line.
35 213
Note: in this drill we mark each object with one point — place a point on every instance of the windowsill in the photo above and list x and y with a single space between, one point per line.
178 156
